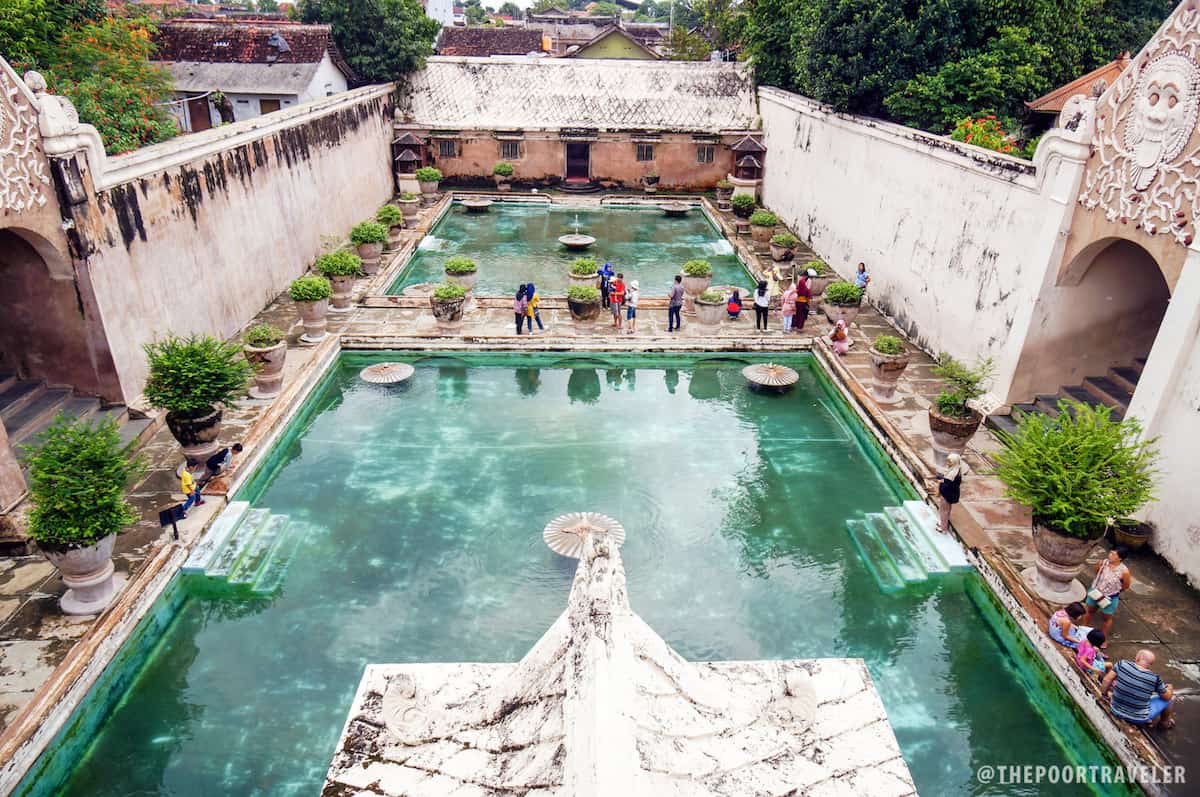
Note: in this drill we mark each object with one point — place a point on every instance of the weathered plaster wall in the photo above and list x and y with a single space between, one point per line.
201 232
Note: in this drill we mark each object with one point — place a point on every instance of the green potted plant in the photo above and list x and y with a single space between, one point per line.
462 271
650 182
266 350
584 303
192 379
743 205
368 238
952 421
889 358
724 192
428 179
583 271
783 246
825 276
311 295
447 301
697 276
710 308
410 207
1077 473
762 227
78 475
841 302
391 217
502 173
341 268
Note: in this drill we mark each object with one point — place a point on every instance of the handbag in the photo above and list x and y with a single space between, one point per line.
1099 598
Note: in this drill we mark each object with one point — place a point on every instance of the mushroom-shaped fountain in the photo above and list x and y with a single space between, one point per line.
576 240
386 373
477 205
675 209
565 533
770 377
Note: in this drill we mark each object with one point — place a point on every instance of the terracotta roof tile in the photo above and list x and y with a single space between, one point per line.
1055 100
245 43
483 42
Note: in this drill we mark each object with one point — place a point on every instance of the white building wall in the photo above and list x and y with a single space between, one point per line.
328 81
441 10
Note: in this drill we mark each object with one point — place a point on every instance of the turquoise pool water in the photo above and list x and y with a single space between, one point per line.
424 509
514 244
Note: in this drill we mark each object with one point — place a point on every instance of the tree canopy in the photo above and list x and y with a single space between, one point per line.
380 39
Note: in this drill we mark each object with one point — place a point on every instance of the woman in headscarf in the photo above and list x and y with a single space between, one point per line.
839 338
761 303
532 300
787 307
949 488
519 305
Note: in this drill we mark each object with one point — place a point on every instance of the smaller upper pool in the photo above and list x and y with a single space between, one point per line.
517 243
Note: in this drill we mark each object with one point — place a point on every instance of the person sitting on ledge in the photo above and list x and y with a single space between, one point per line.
1139 695
734 306
221 461
1088 656
1062 625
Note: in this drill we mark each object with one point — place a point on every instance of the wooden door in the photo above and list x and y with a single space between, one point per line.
198 114
578 160
267 106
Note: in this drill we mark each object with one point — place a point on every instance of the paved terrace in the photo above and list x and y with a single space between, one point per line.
41 647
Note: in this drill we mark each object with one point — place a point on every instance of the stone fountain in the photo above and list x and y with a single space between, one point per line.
576 241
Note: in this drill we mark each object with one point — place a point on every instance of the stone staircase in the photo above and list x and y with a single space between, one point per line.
1115 389
246 547
901 545
28 407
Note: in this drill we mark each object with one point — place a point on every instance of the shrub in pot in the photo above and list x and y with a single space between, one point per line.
841 302
391 217
889 358
743 205
724 192
462 271
583 271
78 475
410 206
428 178
1076 472
951 421
341 268
502 173
710 308
368 238
762 226
265 349
697 276
447 302
311 295
192 379
584 303
825 277
783 246
650 182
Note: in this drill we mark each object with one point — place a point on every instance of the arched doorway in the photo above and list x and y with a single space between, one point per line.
1093 329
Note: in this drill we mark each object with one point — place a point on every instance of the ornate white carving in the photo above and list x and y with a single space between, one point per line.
24 182
1145 166
62 133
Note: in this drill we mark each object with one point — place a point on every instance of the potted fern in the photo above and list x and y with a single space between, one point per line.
783 246
311 295
266 350
78 476
584 303
952 421
428 179
410 207
762 227
192 379
743 205
1077 473
368 238
502 173
391 217
724 192
889 358
841 302
697 276
341 268
583 271
710 308
447 301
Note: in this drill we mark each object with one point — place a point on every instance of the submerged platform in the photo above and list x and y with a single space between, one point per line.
601 705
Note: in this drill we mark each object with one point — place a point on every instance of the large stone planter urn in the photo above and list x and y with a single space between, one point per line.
584 314
343 289
410 208
370 255
886 368
781 253
710 314
586 279
395 233
268 369
88 574
448 313
428 191
761 235
198 436
840 312
1059 560
693 287
819 283
313 316
503 184
951 435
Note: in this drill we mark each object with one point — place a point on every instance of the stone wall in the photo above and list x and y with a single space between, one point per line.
197 234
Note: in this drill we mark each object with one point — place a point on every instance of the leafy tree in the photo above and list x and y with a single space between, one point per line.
606 9
268 6
476 15
511 9
380 39
688 46
542 6
772 28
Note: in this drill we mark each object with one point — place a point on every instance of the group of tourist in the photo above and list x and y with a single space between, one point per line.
619 298
525 308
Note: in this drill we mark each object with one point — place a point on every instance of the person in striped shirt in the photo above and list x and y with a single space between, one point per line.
1138 694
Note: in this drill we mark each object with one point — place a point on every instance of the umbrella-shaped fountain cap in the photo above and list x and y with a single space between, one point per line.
565 534
675 208
476 205
386 373
770 375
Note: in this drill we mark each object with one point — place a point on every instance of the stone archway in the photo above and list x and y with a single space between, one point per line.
1102 313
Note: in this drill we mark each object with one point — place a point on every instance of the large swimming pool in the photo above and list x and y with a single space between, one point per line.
421 511
517 243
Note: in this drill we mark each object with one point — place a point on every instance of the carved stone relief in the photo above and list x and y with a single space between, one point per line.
24 178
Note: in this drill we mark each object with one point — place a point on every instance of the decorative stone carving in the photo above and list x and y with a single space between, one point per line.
24 178
62 133
1145 167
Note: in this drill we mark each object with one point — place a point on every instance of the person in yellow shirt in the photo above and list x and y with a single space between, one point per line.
190 489
531 309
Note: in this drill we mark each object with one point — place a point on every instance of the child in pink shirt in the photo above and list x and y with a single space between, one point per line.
1088 655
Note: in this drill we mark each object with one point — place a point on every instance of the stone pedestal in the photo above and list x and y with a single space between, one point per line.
12 483
747 187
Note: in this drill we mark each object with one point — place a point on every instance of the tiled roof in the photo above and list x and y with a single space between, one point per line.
1055 100
613 30
488 41
225 42
554 93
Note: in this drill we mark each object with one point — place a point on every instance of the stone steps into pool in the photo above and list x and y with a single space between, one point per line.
901 545
247 547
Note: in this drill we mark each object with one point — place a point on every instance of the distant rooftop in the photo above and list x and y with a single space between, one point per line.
483 42
1055 100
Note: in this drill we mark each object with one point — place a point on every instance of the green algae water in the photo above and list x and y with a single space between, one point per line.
424 507
518 243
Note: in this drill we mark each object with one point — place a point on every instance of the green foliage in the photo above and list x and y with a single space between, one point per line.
310 289
428 174
409 196
724 185
888 344
268 6
742 202
963 383
448 292
650 176
510 9
820 266
380 39
784 239
984 132
1079 471
368 232
263 336
461 265
341 263
763 218
698 268
843 294
688 45
605 9
389 216
503 169
711 297
78 475
191 376
584 267
583 293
